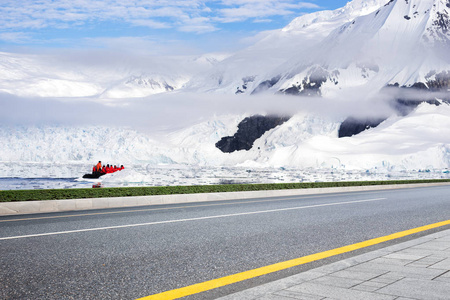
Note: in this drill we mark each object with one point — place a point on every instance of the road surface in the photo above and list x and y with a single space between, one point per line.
135 252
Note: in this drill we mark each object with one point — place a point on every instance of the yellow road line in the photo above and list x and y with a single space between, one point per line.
220 282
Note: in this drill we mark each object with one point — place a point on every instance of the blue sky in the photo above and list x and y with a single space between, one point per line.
155 26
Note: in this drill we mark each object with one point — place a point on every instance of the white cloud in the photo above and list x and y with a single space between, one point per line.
15 37
30 14
187 15
140 45
150 23
241 10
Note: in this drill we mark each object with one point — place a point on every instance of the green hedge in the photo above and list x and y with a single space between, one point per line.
52 194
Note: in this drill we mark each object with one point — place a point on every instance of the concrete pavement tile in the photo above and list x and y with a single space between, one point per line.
428 252
337 281
404 256
363 269
391 261
418 289
443 265
334 267
296 295
405 271
259 291
365 288
418 265
440 234
244 295
433 245
358 275
375 284
387 278
305 276
409 244
271 297
426 262
444 238
352 261
337 292
278 285
445 277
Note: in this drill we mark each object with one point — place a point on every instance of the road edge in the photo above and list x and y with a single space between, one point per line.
47 206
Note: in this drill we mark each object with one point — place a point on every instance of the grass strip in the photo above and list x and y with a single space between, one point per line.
61 194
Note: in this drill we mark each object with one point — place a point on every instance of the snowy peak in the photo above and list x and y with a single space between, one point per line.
243 72
398 43
430 18
336 17
438 27
396 28
367 42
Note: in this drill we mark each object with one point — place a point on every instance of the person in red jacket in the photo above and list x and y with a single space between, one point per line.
121 167
103 170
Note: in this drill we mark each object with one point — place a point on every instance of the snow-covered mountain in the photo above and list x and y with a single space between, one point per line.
366 43
403 42
369 43
83 75
243 71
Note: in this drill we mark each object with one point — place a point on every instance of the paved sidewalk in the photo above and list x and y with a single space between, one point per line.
417 269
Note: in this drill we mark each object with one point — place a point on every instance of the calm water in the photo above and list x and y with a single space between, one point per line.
41 183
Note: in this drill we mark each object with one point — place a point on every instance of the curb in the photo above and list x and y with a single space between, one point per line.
32 207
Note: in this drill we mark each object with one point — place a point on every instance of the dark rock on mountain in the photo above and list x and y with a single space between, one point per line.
265 85
352 126
403 107
245 82
440 82
249 130
311 84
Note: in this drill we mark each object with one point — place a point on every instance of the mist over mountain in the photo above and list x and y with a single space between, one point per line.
364 86
97 74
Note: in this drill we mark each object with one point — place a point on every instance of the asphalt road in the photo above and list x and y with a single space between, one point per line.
131 253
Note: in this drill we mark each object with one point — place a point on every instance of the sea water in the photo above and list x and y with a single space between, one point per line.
14 176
